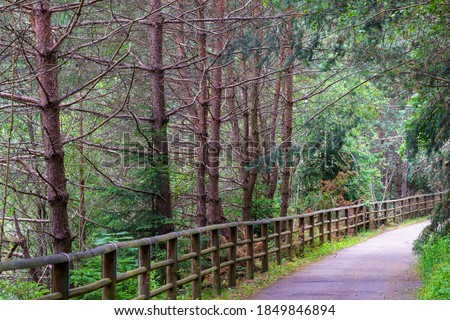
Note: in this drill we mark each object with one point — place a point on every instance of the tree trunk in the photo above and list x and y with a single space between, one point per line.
163 203
201 134
245 157
273 175
287 130
252 145
47 69
405 179
82 189
215 210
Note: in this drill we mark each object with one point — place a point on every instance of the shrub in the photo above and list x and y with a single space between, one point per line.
434 266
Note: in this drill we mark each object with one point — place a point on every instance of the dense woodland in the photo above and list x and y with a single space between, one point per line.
125 119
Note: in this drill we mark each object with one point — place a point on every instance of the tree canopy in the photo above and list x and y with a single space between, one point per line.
131 119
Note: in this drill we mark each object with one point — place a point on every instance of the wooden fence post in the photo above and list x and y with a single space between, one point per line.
144 279
427 210
407 209
311 230
338 224
395 211
196 266
347 221
417 214
322 227
411 208
277 227
419 204
422 206
109 270
433 201
290 238
232 256
404 209
171 270
265 247
377 215
215 258
366 226
301 222
330 226
250 252
417 210
61 278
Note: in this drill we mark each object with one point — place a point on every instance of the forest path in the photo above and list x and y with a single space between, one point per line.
379 268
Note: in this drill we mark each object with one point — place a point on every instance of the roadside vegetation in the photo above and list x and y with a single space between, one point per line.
434 267
433 249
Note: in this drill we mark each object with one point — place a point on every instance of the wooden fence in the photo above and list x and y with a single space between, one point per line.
210 259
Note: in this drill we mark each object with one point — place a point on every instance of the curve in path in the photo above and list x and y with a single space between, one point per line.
379 268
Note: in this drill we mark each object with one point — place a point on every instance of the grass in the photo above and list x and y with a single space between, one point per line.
246 288
434 269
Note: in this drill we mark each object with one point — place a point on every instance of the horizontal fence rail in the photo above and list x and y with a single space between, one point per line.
217 255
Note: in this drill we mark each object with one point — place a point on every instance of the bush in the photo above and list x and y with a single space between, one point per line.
434 266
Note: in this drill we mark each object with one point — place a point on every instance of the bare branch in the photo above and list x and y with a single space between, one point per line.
19 98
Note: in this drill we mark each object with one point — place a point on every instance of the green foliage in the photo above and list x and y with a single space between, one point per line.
433 248
263 208
134 211
429 173
21 290
440 224
429 127
338 161
89 271
434 266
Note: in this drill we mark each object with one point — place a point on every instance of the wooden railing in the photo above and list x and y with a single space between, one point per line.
216 261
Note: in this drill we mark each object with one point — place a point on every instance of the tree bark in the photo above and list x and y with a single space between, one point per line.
215 210
252 145
47 68
273 175
163 204
82 190
201 133
287 129
405 179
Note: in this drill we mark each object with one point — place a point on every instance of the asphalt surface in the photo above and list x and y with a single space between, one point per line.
376 269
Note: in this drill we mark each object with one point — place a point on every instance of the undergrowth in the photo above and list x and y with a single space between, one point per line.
434 268
21 290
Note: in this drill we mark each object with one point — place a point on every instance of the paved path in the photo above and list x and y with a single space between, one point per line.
379 268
